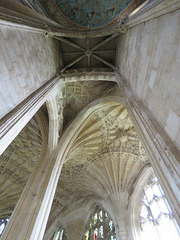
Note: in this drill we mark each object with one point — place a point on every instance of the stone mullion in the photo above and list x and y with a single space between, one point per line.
91 234
105 226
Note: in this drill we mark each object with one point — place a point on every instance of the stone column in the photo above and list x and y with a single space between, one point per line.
161 151
30 216
116 205
15 121
121 230
120 203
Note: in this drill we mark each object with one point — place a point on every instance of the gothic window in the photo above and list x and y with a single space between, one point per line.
156 220
60 234
101 216
3 223
100 226
95 218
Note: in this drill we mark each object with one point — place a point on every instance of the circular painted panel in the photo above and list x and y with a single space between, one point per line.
91 13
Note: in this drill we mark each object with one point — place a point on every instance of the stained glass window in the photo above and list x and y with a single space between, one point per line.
3 223
101 216
101 231
95 233
111 225
100 226
156 220
95 218
87 235
60 234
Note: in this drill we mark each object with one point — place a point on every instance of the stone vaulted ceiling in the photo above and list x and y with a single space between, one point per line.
107 155
20 158
96 52
105 158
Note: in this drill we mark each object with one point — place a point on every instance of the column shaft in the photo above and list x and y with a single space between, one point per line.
161 151
30 216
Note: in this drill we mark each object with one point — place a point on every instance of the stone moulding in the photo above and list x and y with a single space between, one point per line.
92 75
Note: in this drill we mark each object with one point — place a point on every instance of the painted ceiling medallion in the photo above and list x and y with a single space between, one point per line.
89 13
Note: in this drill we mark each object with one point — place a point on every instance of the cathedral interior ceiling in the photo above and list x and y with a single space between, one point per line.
104 158
96 52
107 155
88 14
84 15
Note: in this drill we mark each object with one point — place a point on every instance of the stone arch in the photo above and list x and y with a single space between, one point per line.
152 141
77 125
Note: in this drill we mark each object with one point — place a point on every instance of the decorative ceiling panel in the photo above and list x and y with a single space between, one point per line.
91 14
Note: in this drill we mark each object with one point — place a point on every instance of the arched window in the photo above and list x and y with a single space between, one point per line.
100 226
3 223
156 220
60 234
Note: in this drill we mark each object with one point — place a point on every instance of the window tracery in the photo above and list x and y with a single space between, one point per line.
3 223
156 220
60 234
100 226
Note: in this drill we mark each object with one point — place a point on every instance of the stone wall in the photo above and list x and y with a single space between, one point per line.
149 58
27 61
